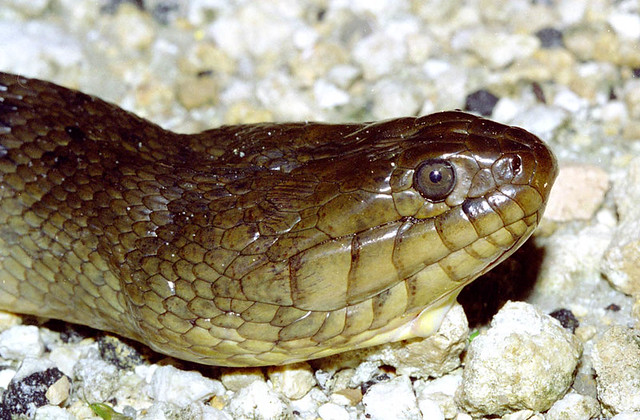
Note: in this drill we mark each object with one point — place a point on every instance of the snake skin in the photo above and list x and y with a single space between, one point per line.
253 244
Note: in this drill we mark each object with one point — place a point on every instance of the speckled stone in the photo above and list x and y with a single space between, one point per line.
616 360
391 399
525 361
181 388
620 263
96 379
258 401
309 404
574 406
438 395
25 393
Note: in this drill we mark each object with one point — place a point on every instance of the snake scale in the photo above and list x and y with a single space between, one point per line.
258 244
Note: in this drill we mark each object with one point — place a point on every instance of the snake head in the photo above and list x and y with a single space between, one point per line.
472 192
433 203
384 232
370 232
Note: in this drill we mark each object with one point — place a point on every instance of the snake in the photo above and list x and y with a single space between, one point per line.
254 244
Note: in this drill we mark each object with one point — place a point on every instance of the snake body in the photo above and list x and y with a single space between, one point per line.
254 244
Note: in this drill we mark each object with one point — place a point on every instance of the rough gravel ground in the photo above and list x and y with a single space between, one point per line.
567 70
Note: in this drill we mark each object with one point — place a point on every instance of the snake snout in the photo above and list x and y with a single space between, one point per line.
542 168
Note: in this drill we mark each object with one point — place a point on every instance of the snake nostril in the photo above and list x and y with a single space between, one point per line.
515 162
507 168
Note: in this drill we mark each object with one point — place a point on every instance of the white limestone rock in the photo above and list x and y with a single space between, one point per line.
616 360
525 361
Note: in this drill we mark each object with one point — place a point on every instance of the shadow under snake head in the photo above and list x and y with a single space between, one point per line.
254 244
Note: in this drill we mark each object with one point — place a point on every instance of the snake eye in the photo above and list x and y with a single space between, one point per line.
434 179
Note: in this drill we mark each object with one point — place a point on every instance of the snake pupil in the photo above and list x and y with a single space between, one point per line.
435 176
434 179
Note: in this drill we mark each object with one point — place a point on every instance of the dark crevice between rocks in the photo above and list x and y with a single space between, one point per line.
513 279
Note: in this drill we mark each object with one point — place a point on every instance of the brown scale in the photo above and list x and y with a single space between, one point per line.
253 244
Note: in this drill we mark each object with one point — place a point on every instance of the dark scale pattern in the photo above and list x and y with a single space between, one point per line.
252 244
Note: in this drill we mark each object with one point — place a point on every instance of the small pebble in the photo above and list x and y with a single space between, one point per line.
97 379
330 411
574 406
627 25
441 392
66 357
196 92
5 377
8 320
523 415
395 99
21 341
378 55
50 412
499 49
541 120
59 391
293 381
570 101
550 38
347 396
481 102
393 399
566 318
631 415
307 406
236 379
132 28
329 95
258 401
430 409
180 387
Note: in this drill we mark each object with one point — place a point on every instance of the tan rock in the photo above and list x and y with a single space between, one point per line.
578 192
